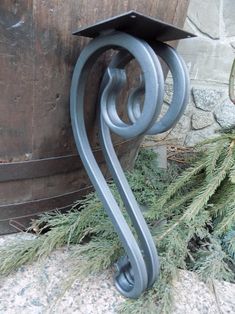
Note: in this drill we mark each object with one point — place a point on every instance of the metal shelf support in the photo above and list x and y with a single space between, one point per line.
138 270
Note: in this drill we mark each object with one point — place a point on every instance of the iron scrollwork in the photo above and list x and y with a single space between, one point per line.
139 269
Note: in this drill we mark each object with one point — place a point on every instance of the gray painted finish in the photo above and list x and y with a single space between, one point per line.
140 268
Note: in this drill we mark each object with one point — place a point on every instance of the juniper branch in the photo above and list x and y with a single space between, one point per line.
228 220
179 183
211 263
208 189
213 155
232 174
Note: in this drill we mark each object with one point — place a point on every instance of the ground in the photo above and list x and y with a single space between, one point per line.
35 289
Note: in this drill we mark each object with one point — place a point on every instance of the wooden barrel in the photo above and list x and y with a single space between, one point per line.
39 166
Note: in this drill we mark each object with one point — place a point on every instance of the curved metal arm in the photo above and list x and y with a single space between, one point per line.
139 269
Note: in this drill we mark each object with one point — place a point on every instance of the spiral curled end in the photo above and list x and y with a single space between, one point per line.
124 278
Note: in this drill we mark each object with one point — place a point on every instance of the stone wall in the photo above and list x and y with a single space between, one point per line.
209 59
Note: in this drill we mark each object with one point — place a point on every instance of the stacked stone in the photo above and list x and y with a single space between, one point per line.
209 58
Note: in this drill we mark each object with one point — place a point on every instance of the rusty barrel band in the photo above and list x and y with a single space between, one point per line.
51 166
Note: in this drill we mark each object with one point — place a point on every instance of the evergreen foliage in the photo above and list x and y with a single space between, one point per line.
192 220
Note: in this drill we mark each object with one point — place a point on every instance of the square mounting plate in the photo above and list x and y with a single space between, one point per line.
138 25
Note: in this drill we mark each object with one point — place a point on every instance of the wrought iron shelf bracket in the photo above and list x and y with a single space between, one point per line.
134 36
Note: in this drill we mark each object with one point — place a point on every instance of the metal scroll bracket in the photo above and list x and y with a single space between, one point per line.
136 36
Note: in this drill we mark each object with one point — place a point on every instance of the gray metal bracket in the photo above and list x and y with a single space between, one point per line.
139 269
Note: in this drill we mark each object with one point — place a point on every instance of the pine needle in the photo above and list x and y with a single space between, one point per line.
223 197
211 263
201 200
229 135
232 174
179 183
228 220
229 241
95 256
192 220
213 156
15 255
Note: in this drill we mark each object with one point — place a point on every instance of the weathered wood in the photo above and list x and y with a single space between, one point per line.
37 57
